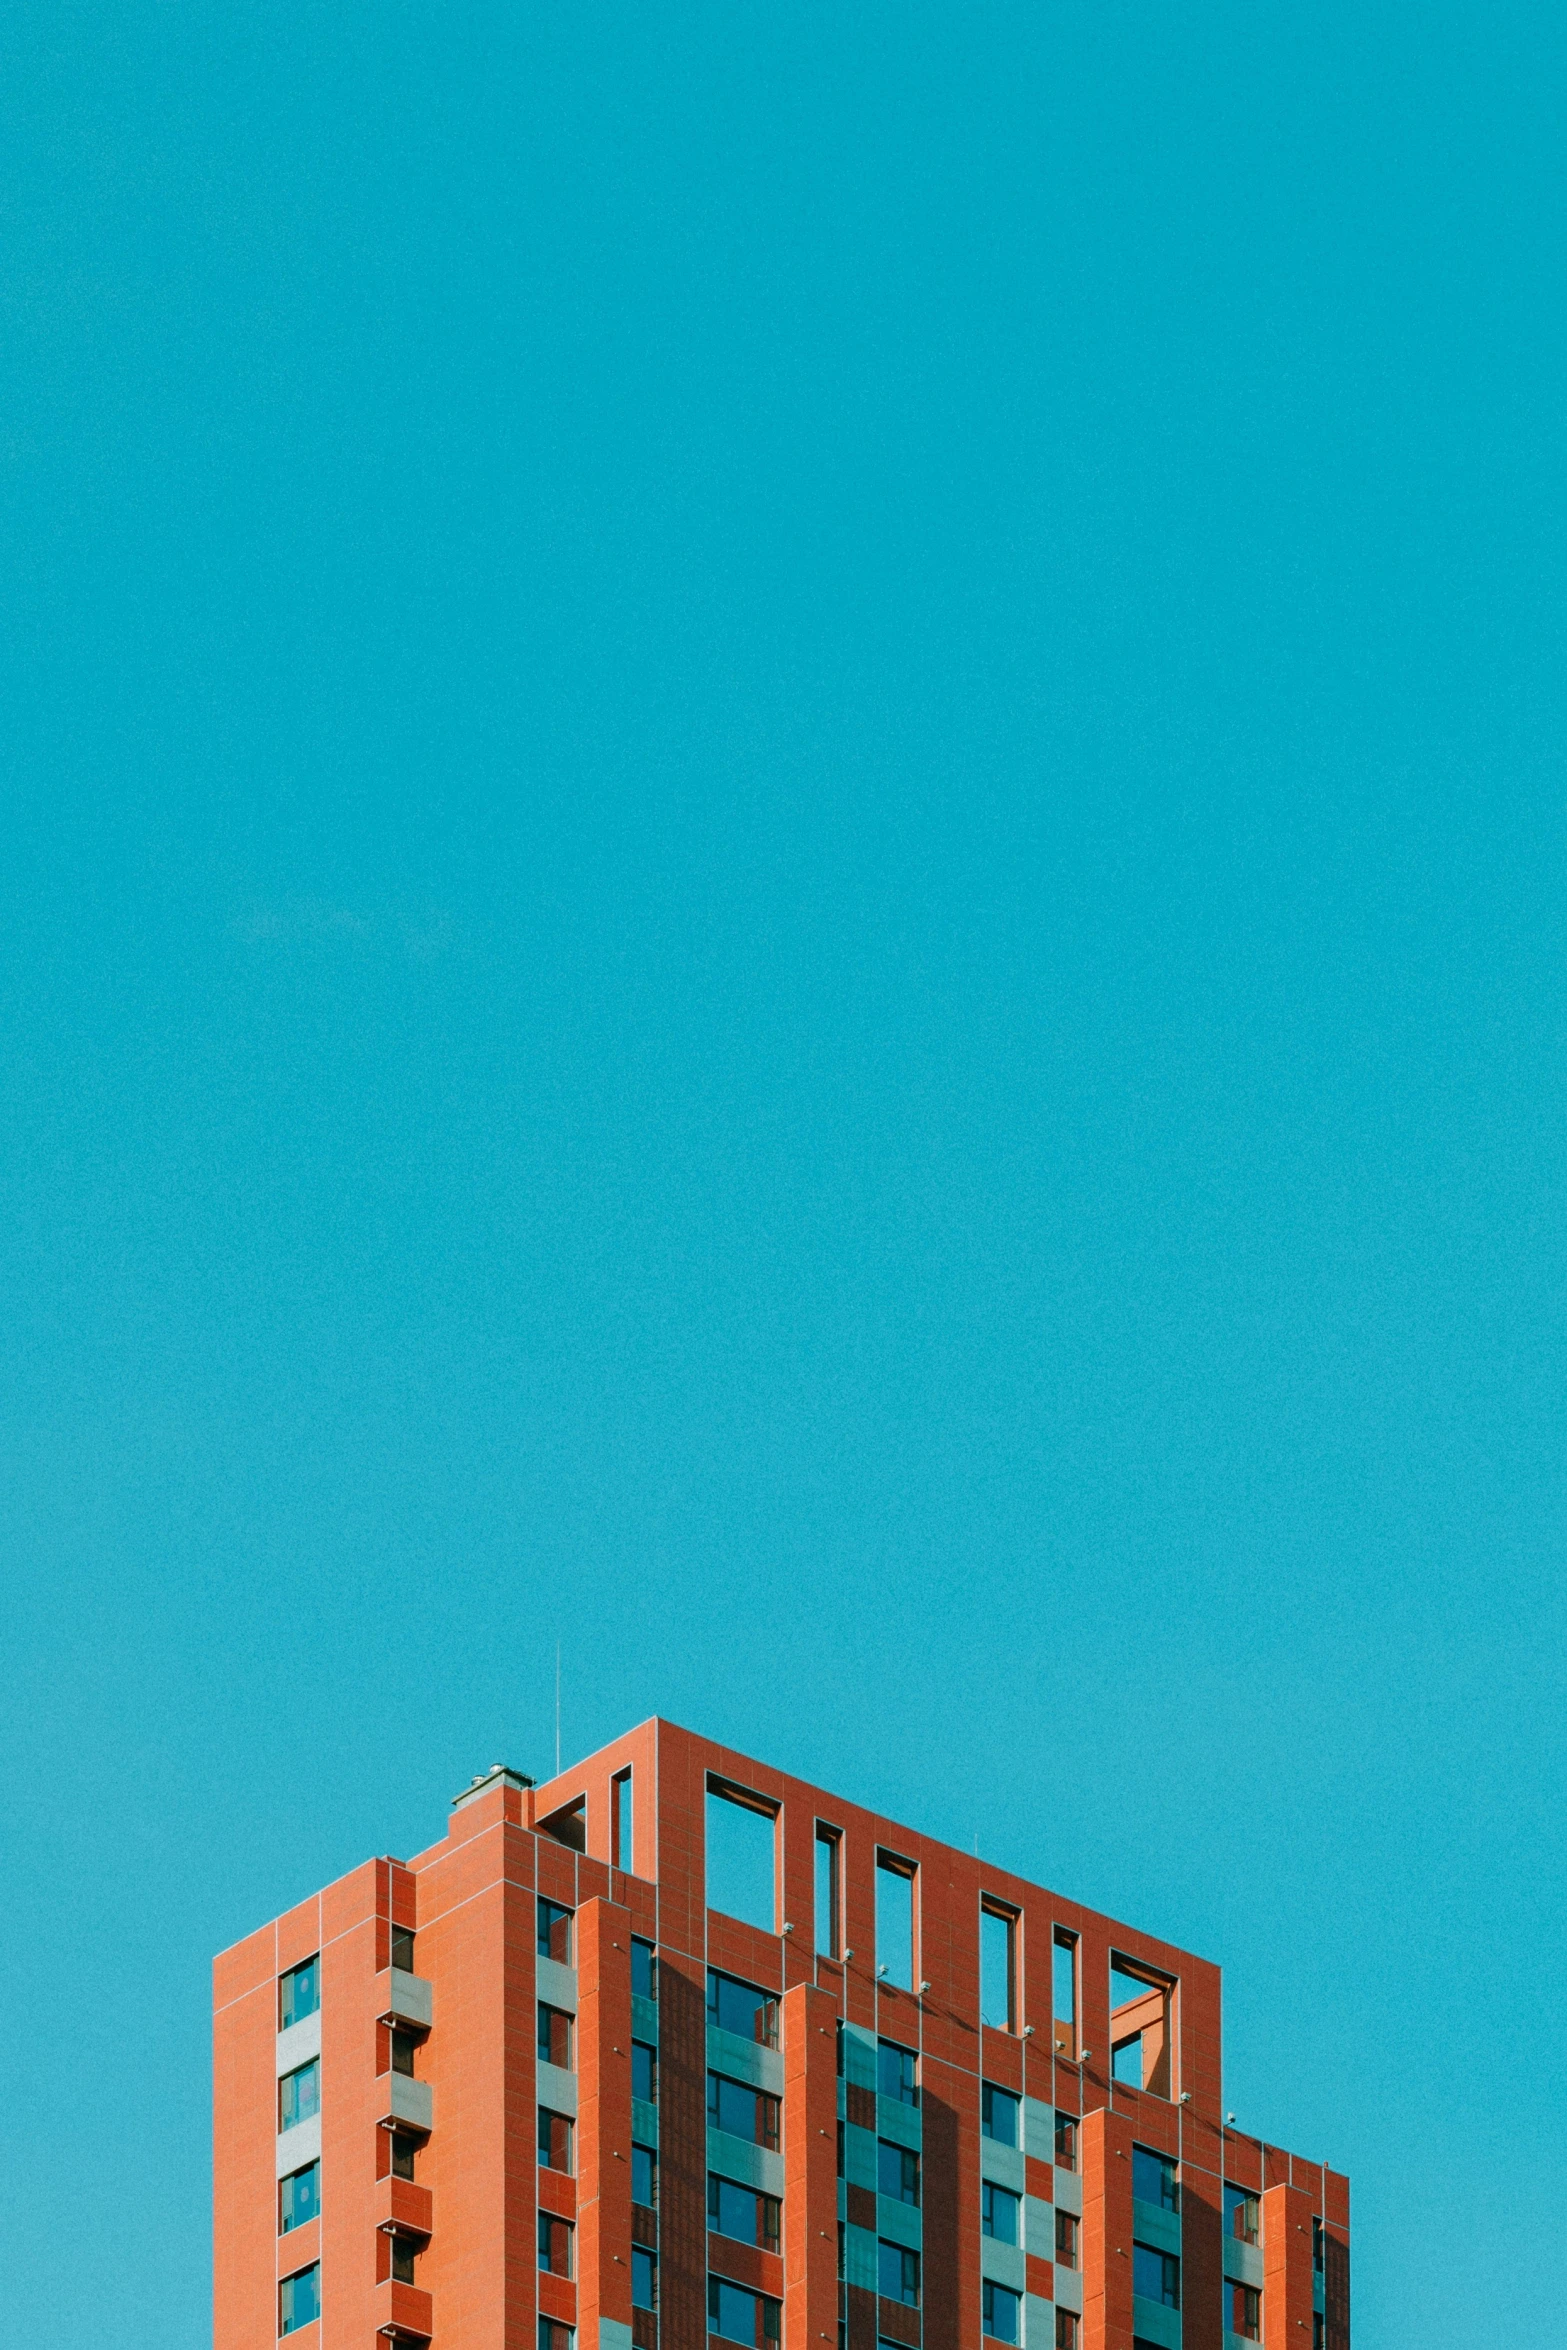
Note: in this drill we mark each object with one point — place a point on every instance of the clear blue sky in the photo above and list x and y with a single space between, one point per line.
783 890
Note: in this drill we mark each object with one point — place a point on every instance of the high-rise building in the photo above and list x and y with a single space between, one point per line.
680 2053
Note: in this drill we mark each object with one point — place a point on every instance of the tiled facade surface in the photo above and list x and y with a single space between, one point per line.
471 2213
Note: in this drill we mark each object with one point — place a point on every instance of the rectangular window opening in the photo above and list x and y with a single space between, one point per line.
743 2112
998 2114
895 1920
554 1931
1066 2239
897 2072
743 2214
1156 2275
299 1993
738 2316
569 1824
299 2299
1245 2312
1066 2142
622 1824
1242 2214
554 2244
554 2141
1140 2036
742 2009
1154 2179
1066 2329
644 1969
299 2095
554 2045
999 2213
1002 2312
741 1857
644 2177
403 1949
299 2198
1063 1993
897 2172
997 1966
898 2273
829 1850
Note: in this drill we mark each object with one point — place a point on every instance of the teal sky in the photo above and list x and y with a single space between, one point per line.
783 893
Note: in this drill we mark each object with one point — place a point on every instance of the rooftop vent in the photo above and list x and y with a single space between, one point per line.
498 1774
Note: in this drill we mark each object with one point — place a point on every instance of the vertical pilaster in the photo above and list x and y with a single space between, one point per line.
1105 2244
604 2126
810 2134
1286 2268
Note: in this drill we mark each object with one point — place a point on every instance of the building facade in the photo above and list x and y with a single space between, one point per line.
680 2053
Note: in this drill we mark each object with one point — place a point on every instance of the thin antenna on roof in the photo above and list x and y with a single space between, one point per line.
557 1709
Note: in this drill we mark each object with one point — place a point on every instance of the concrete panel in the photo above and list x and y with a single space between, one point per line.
1003 2165
412 2102
752 2166
1039 2130
1039 2228
644 2019
413 1999
898 2222
859 2157
558 2089
859 2057
1152 2322
299 2043
1039 2323
613 2335
644 2122
557 1984
1243 2262
299 2145
1152 2224
859 2259
1069 2191
1069 2289
899 2122
745 2060
1003 2264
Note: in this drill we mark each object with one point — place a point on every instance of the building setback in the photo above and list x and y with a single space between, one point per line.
679 2053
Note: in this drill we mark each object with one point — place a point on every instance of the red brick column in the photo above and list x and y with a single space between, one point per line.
810 2131
1286 2268
603 2117
1105 2246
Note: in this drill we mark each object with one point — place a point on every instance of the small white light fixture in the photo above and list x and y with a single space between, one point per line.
1186 2096
881 1970
1027 2033
848 1954
1087 2053
788 1926
924 1987
1229 2117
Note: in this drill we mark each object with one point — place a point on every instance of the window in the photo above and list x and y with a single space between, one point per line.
741 2213
1316 2245
739 2316
404 2149
299 2095
554 2037
740 2008
1066 2239
554 2336
998 2114
1153 2179
1002 2312
1241 2213
829 1846
1245 2312
644 2277
403 2257
741 1855
402 2053
298 1993
299 2299
644 2177
644 1969
1066 2329
403 1949
622 1823
298 2198
897 2172
1063 1991
997 1966
897 2072
554 1939
841 2171
554 2244
998 2213
895 1920
644 2072
742 2111
1156 2275
898 2274
1319 2330
554 2141
1066 2142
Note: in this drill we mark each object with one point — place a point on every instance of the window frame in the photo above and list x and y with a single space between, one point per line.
287 2016
1009 1918
828 1841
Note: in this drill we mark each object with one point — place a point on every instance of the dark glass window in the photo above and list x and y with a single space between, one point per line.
1316 2245
403 2258
644 2071
742 2111
644 2177
299 2197
298 1993
554 2336
1066 2239
1066 2329
739 2316
644 2277
403 2046
644 1969
1156 2275
554 2036
554 2244
998 2110
403 1949
1245 2312
741 2213
554 2140
1153 2179
897 2172
299 2094
740 2008
897 2073
999 2210
1241 2213
404 2149
554 1940
1066 2142
299 2299
1003 2313
898 2273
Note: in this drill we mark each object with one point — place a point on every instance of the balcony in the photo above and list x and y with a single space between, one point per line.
405 1999
402 2312
402 2208
405 2100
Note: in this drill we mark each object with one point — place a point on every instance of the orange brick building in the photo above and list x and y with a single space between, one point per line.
680 2053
